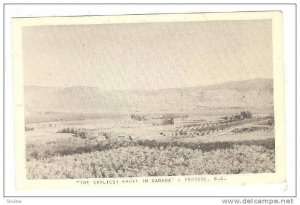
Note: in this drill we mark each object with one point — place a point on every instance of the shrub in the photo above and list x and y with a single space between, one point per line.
168 120
246 114
269 122
138 117
81 134
164 160
28 128
237 117
68 130
35 154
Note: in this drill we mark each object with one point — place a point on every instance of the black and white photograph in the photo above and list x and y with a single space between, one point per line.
149 103
148 99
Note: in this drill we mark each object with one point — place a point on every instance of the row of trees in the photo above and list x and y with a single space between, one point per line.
241 116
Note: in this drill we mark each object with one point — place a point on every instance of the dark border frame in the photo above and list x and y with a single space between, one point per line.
3 72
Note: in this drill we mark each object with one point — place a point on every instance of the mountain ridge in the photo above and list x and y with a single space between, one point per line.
254 92
210 86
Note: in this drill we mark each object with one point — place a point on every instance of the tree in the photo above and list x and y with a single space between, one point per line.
168 120
246 114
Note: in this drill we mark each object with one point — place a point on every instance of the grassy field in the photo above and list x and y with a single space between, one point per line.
134 161
150 146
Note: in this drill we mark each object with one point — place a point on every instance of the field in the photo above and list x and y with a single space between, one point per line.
147 99
149 145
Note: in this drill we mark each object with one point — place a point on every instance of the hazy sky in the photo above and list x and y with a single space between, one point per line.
147 56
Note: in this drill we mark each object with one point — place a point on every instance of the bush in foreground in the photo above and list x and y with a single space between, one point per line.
137 161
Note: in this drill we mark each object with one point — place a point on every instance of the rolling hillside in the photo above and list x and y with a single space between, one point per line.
251 93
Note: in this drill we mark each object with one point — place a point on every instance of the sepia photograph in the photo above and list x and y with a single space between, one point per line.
148 103
159 99
149 98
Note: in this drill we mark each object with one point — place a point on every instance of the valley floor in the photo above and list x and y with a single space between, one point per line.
188 147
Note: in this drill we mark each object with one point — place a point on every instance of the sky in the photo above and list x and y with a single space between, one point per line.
147 56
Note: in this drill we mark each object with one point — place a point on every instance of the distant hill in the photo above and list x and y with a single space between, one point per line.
247 85
249 93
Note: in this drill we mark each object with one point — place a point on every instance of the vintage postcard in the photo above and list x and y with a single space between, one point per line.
149 100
